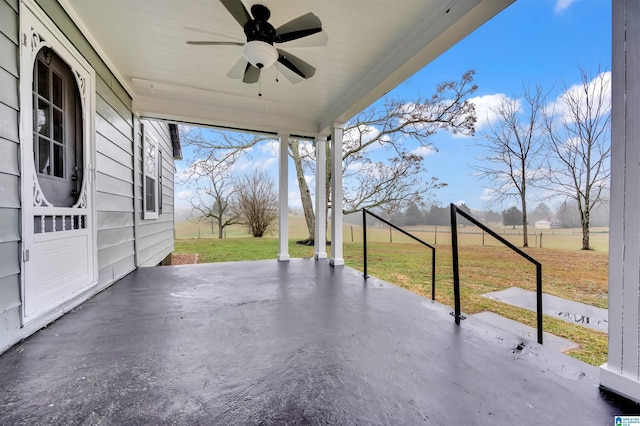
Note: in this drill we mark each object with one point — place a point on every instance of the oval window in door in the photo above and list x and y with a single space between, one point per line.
58 145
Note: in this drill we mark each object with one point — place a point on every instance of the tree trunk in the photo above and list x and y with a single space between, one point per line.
585 221
220 227
525 230
305 194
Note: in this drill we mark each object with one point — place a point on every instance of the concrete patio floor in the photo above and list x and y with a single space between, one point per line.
297 342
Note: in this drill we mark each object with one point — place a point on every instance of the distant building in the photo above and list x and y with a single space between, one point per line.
547 224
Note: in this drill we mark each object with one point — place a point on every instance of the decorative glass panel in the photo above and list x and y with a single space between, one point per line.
58 160
57 125
57 90
43 117
150 159
43 79
150 194
57 128
43 156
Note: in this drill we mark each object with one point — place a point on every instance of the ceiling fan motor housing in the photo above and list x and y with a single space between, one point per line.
259 28
261 35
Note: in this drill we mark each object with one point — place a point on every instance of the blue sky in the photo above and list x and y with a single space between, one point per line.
532 42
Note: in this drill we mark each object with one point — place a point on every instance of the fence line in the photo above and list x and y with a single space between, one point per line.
546 238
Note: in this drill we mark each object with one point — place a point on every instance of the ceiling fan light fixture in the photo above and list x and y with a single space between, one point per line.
260 54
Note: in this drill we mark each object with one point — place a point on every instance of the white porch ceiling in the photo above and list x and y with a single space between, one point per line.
373 45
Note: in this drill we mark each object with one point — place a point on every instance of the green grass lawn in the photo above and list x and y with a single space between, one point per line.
562 239
572 274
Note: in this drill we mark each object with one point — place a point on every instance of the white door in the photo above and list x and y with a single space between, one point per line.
57 86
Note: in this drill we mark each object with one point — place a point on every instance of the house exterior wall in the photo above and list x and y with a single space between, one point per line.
9 169
123 239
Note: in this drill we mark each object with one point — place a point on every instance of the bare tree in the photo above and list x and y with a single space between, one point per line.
396 183
296 152
257 202
213 191
511 162
578 129
386 124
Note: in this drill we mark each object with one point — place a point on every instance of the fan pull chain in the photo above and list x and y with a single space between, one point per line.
277 81
259 86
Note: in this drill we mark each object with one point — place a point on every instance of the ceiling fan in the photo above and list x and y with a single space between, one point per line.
259 51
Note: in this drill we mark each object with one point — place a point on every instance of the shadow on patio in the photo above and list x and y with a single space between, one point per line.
297 342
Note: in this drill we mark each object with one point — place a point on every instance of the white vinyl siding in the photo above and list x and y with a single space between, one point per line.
9 173
114 187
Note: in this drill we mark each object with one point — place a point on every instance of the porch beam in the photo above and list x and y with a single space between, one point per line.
337 131
320 237
283 194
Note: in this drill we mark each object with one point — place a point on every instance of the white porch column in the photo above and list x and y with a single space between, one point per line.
621 373
283 192
336 194
320 237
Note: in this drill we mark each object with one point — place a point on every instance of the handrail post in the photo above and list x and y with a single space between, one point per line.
456 271
433 274
539 300
364 240
456 276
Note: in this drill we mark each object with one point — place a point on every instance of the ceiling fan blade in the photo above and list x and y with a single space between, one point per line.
237 71
295 64
251 74
316 40
294 35
290 75
299 27
215 43
237 10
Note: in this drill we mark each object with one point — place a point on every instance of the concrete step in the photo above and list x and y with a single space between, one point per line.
549 340
557 307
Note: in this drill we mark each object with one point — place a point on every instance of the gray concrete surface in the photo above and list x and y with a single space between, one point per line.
272 343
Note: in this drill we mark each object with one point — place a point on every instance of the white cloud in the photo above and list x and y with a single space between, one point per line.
294 199
601 81
424 151
362 134
562 5
487 194
306 149
353 168
270 147
486 106
265 165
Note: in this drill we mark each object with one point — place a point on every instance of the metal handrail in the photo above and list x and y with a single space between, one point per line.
456 272
364 240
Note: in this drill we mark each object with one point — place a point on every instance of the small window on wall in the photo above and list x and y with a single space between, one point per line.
152 177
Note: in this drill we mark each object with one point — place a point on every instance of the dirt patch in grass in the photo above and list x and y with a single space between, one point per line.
184 258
